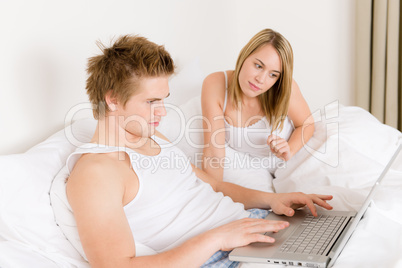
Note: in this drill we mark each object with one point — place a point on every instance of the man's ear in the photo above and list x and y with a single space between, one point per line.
111 102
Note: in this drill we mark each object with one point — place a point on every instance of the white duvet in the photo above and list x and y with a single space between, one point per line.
348 151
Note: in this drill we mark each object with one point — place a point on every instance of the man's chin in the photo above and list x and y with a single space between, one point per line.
151 131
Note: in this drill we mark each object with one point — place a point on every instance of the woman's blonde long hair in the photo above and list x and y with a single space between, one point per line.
275 101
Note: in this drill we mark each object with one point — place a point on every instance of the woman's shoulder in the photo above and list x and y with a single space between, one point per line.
215 84
218 77
214 79
213 92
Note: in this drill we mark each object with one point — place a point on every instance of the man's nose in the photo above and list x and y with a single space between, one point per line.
160 110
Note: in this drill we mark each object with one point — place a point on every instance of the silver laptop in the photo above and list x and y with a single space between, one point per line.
309 241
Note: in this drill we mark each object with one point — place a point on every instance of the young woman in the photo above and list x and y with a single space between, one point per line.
256 111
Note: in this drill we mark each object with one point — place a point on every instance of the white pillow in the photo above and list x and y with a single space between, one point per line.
350 141
26 217
347 153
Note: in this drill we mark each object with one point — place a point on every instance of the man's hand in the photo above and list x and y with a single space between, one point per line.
245 231
286 203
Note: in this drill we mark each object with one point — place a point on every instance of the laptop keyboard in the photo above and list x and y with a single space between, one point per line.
313 235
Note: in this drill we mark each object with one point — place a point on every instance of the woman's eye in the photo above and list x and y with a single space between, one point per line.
258 66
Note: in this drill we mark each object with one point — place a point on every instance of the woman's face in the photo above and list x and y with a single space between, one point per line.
260 71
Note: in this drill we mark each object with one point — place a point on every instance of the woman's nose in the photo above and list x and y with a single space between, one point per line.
260 78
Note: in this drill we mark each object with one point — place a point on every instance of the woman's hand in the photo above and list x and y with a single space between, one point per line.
245 231
286 203
279 147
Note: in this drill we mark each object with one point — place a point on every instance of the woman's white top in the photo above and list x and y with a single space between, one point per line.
251 143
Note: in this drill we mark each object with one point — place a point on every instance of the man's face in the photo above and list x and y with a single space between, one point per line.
145 108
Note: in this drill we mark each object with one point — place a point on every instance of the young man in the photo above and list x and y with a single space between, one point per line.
119 203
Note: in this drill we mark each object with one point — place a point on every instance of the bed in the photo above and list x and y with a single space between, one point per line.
348 151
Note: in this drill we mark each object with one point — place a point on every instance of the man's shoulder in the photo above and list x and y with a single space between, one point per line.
99 178
99 160
100 165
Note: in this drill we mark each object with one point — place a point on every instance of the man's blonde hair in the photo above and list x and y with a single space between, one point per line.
120 67
274 102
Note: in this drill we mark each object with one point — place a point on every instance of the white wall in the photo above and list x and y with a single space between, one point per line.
45 44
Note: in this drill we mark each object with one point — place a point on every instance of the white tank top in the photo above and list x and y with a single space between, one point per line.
253 139
172 203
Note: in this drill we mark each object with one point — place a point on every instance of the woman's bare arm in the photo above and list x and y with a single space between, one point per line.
212 100
300 114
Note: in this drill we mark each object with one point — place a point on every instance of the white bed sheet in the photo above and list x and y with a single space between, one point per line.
348 153
350 149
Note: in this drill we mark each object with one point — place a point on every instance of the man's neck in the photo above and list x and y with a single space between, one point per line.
108 132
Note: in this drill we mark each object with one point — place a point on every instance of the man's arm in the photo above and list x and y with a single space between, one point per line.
283 203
